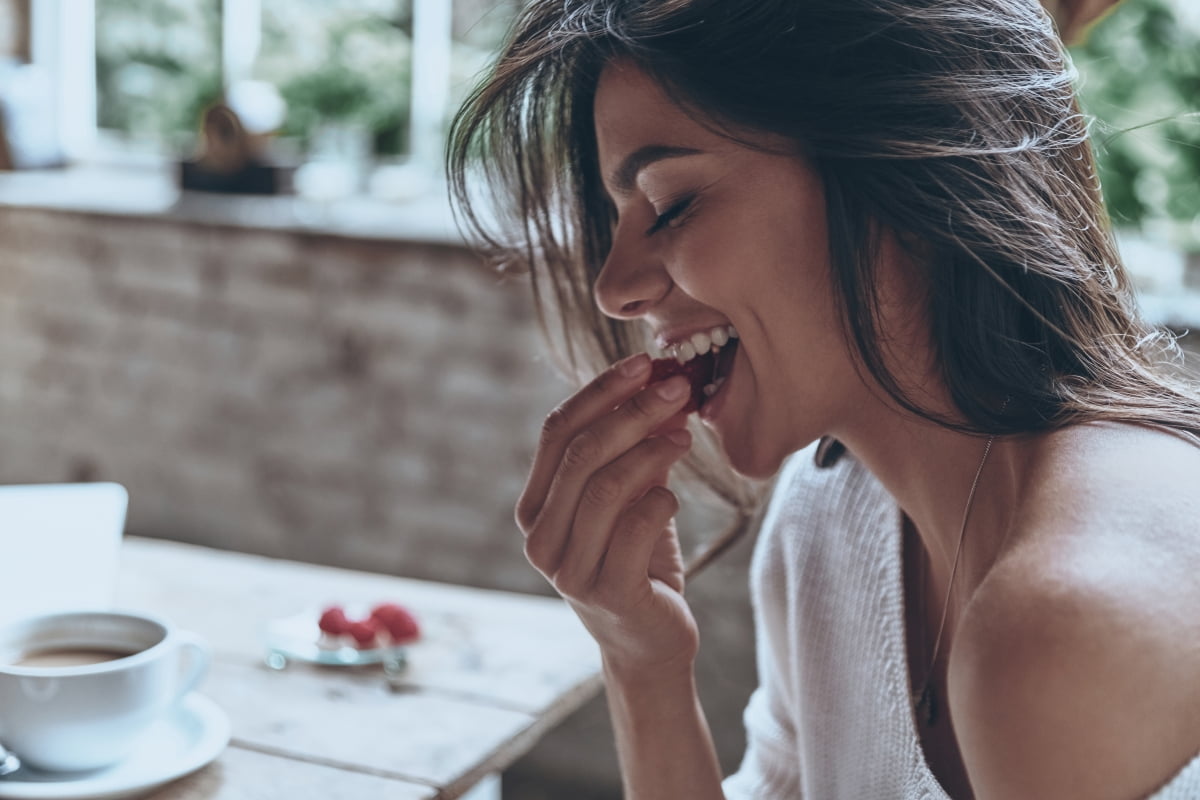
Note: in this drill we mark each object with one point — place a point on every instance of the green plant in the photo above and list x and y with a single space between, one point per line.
362 79
156 66
1140 81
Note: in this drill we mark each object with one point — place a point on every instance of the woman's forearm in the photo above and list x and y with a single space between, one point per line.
663 740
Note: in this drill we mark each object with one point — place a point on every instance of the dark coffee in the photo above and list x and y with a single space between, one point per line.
69 657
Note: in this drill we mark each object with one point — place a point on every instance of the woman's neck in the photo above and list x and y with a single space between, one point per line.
930 471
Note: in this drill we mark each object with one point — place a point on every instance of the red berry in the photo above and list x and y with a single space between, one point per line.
333 621
698 371
384 611
401 625
396 620
363 633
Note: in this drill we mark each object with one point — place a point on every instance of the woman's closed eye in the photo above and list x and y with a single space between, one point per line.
672 216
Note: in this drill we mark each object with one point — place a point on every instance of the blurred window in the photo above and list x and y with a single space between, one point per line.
158 64
379 77
369 79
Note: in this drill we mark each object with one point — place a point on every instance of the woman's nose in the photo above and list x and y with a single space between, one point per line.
629 285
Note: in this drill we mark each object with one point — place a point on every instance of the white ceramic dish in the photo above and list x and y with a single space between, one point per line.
193 735
298 638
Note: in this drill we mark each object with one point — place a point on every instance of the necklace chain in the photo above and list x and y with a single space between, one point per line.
925 700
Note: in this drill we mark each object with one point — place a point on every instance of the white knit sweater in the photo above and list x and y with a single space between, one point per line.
831 717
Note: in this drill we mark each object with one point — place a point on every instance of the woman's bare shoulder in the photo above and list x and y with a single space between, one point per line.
1073 671
1106 489
1110 514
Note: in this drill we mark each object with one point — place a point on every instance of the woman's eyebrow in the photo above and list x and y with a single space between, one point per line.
623 177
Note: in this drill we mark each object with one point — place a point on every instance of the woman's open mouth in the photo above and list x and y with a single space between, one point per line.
706 371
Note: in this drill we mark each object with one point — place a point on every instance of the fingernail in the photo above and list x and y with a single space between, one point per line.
634 366
672 389
680 437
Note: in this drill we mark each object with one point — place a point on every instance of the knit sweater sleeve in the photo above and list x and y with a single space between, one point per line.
1184 786
770 768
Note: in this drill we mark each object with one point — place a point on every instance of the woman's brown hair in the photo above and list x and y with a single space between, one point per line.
950 123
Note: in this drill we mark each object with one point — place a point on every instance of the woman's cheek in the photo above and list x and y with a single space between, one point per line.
700 263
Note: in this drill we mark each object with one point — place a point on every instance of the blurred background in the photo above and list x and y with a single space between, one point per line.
229 280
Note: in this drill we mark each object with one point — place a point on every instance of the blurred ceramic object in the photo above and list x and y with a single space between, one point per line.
324 181
28 127
401 182
235 144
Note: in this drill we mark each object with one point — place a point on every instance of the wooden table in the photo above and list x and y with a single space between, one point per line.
492 674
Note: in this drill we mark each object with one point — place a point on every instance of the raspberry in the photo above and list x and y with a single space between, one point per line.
385 610
333 621
698 371
399 622
363 633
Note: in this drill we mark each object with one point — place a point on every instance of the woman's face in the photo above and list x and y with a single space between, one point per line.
712 233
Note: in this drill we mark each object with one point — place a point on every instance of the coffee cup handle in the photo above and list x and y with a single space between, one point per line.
195 652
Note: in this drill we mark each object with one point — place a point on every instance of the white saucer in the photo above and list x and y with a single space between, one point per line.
193 735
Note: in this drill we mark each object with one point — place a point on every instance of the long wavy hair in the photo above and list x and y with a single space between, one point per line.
950 123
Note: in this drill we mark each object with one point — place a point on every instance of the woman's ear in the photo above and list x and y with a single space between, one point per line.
1074 17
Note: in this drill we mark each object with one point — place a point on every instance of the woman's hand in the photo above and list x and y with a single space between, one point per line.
597 516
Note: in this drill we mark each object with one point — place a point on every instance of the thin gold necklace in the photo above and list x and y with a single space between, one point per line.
926 700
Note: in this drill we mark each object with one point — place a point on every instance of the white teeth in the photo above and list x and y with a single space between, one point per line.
701 342
713 387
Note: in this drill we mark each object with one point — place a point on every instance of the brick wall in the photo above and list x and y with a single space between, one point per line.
356 403
360 403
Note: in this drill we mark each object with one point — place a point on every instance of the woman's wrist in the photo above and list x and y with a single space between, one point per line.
663 740
677 675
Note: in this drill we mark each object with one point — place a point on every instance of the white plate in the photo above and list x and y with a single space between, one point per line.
298 638
193 735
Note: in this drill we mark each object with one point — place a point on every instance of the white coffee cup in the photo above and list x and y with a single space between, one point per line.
78 689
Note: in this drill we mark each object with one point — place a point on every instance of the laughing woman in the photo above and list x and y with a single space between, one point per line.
884 217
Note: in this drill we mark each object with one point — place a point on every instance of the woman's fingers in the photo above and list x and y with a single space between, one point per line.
623 576
608 390
584 454
606 498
